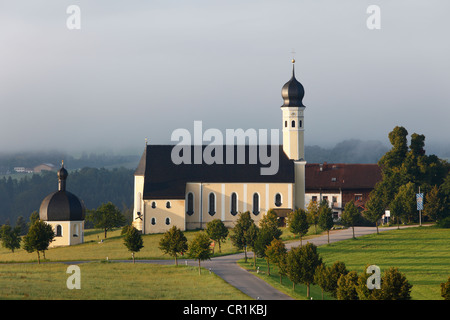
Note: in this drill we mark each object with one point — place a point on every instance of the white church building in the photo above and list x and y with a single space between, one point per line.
189 195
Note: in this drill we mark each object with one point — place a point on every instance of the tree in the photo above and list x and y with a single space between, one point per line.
346 286
298 223
325 220
322 277
350 215
217 231
302 264
445 290
374 208
434 206
276 252
251 235
107 216
395 286
238 233
21 226
199 248
267 232
173 242
10 237
133 240
312 211
334 273
38 238
407 196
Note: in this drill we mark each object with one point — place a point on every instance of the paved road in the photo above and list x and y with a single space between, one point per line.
227 268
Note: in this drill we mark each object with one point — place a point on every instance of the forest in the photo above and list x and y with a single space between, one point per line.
20 197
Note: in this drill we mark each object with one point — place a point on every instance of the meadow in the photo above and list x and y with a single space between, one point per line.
421 253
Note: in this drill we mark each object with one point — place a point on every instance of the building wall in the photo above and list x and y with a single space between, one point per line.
155 218
72 232
161 215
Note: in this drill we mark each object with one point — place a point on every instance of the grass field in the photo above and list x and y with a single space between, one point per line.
422 254
113 281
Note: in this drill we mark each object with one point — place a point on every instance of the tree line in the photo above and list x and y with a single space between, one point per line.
21 197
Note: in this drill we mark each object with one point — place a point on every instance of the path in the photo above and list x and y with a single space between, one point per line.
227 268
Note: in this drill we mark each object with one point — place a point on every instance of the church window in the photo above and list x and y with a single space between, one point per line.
255 204
58 231
300 123
190 204
153 221
167 221
212 204
233 210
75 230
168 204
153 204
285 124
278 200
293 124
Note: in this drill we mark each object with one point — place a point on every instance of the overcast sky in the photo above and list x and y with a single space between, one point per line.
140 69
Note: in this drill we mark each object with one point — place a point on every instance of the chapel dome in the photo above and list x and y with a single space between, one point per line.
293 92
62 205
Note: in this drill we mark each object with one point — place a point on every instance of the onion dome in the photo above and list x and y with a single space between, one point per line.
62 205
293 91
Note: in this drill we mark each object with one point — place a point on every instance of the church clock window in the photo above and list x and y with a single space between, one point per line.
212 204
190 204
233 210
255 204
278 200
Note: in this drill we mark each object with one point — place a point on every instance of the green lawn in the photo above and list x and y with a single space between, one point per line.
113 281
422 254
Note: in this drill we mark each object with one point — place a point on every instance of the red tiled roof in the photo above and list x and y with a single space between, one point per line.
340 175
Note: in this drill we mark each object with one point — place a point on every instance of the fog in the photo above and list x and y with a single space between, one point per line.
142 69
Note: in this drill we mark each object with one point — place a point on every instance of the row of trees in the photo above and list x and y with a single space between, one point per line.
404 170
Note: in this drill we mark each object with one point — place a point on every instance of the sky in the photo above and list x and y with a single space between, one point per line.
142 69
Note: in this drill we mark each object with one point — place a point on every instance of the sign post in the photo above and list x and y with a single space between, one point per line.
419 198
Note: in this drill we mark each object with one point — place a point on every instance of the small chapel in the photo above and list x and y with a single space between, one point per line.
191 195
65 212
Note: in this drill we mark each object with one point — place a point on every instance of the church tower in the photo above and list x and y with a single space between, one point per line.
293 118
293 134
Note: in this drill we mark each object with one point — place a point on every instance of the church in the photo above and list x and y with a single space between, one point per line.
189 195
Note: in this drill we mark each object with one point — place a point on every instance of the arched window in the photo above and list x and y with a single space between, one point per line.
153 221
75 230
233 204
212 204
300 123
190 204
58 231
168 204
167 221
255 204
293 124
153 204
285 124
278 200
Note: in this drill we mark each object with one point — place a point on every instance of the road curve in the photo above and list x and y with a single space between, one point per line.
227 268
